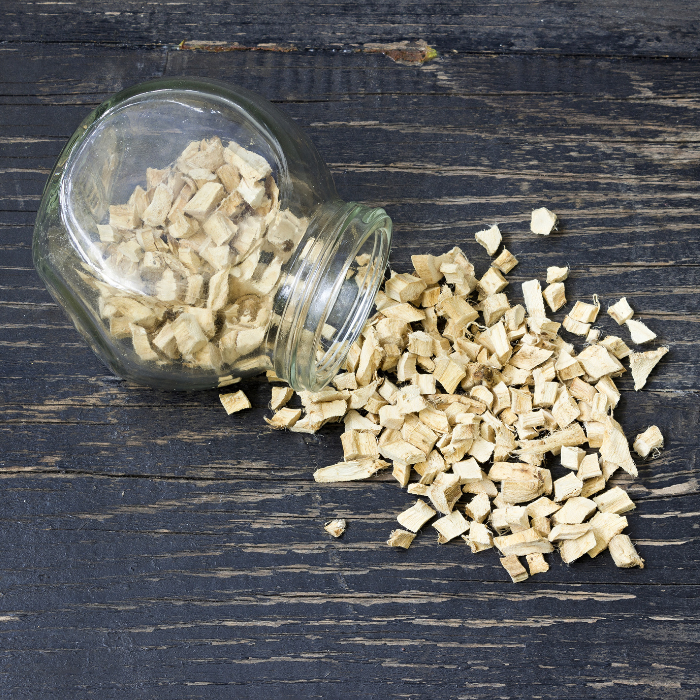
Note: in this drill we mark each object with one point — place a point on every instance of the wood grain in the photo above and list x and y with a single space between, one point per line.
627 27
157 548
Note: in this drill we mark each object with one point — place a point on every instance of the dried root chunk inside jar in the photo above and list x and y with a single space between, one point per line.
202 245
194 236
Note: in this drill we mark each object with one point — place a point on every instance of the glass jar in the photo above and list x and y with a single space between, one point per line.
194 236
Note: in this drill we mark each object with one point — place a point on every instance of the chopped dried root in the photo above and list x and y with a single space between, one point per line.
233 403
335 527
447 396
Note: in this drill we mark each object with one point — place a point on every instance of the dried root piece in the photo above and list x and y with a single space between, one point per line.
557 274
505 262
427 267
480 538
605 526
615 448
490 239
571 457
515 569
571 550
568 486
416 516
555 296
615 501
560 533
335 527
543 221
359 445
616 346
280 397
574 511
284 418
235 402
621 312
532 294
575 327
639 332
623 552
444 492
356 470
537 563
641 364
650 439
524 542
400 538
451 526
585 313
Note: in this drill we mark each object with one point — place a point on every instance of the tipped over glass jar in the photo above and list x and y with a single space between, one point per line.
194 236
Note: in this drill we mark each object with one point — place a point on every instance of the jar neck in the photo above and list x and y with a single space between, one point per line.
327 293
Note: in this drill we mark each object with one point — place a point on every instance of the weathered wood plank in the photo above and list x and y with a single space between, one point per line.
632 27
156 547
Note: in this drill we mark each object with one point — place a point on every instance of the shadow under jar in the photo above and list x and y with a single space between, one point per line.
194 236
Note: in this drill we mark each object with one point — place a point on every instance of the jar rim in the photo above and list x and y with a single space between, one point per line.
327 295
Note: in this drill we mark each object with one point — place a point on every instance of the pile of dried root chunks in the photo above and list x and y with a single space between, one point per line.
452 385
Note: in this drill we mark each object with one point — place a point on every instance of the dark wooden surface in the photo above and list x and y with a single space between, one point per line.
155 548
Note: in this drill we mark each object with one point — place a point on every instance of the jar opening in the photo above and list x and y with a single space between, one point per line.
327 295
